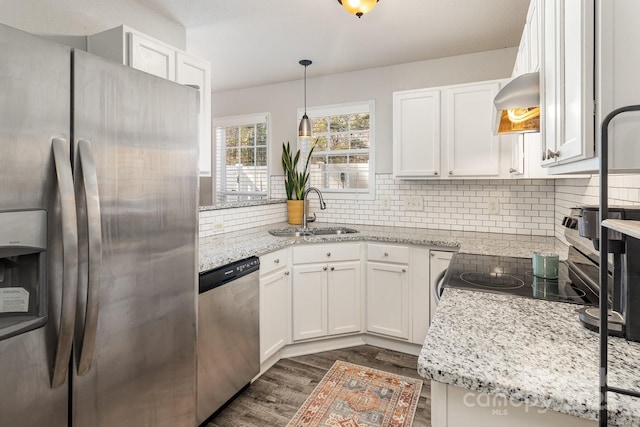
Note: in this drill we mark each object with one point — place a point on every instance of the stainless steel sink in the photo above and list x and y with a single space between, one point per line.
325 231
332 230
290 233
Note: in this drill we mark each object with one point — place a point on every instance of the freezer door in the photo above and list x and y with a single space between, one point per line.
35 110
141 132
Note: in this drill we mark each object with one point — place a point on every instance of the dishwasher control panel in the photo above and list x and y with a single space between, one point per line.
219 276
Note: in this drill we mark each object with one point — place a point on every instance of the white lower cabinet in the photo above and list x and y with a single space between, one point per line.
458 407
343 297
326 290
275 282
388 299
309 301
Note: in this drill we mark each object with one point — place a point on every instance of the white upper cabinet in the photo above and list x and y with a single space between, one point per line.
196 72
150 56
416 133
144 53
578 92
568 96
471 147
445 132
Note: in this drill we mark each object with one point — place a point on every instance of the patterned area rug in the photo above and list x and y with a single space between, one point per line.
356 396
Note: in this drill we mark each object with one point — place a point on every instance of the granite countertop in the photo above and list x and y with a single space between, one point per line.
529 350
222 249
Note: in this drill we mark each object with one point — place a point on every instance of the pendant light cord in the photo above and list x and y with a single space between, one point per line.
305 89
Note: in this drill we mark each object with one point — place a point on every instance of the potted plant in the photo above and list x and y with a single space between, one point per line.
295 182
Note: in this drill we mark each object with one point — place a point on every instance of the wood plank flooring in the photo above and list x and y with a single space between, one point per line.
274 398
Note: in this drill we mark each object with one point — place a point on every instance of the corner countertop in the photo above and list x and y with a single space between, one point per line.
222 249
530 350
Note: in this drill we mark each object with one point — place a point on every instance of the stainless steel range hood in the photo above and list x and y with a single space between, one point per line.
518 105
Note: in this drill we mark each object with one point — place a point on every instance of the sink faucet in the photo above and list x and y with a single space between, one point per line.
305 205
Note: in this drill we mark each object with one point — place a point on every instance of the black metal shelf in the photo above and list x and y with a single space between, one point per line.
625 227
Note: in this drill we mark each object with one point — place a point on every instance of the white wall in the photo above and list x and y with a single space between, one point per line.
63 19
282 100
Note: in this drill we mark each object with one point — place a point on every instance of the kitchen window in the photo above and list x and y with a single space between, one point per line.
342 164
241 160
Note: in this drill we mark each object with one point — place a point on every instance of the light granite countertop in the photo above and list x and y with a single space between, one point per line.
222 249
530 350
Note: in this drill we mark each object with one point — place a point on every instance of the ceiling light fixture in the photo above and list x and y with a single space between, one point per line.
304 130
358 7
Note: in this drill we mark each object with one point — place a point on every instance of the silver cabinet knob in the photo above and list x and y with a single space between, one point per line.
328 254
333 268
432 254
386 254
286 273
512 170
404 270
276 261
435 173
450 172
324 268
552 154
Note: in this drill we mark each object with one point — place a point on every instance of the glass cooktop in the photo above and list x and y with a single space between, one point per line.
514 276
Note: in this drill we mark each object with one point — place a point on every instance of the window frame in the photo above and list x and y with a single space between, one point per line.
344 109
220 150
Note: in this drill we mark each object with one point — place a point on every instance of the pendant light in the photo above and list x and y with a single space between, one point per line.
304 130
358 7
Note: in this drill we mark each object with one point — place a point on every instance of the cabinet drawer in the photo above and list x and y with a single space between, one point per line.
273 261
324 253
388 253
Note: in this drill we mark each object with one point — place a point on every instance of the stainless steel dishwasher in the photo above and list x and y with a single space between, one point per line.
228 334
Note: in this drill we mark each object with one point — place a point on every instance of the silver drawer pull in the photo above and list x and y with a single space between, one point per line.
333 268
328 253
404 270
386 254
286 273
276 261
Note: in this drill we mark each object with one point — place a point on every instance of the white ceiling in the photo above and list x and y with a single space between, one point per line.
257 42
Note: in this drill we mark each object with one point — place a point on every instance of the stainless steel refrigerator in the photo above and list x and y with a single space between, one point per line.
98 227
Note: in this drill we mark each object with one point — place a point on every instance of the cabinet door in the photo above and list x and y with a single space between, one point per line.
274 312
344 298
577 80
438 262
471 147
152 57
388 299
533 36
309 301
416 134
196 72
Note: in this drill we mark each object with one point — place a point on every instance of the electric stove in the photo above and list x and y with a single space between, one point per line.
514 276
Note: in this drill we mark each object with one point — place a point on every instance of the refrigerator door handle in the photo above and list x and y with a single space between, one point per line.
62 160
94 233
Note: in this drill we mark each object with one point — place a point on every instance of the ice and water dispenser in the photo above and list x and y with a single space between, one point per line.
23 284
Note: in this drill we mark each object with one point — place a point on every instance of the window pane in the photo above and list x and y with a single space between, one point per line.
321 143
318 126
247 135
358 159
232 157
338 160
359 140
338 124
231 137
359 121
261 136
339 142
248 156
261 156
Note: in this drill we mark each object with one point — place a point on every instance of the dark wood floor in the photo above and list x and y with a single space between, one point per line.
274 398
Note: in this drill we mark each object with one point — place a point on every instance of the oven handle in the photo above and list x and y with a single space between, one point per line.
439 287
